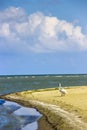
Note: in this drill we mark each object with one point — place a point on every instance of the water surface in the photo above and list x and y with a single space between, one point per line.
10 84
16 117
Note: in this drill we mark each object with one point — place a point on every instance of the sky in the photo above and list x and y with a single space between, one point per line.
43 37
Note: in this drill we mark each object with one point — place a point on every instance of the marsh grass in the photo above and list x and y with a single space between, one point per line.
74 102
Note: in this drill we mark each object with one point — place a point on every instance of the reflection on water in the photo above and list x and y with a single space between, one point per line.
31 126
16 117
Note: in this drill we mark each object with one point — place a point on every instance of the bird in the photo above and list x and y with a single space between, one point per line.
62 90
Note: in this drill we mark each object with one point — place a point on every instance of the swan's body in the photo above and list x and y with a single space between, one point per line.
62 90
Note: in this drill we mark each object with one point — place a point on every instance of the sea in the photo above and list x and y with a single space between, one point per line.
18 83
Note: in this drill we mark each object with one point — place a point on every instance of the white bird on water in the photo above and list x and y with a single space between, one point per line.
62 90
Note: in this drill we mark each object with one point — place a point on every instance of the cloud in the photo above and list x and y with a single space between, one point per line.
38 33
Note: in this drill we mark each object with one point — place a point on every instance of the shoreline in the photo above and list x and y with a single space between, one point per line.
43 122
56 114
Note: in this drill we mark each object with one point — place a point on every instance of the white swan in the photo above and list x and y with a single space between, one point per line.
62 90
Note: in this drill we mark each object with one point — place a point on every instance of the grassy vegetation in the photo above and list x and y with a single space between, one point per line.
75 101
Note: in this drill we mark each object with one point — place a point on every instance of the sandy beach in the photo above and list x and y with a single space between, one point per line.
60 112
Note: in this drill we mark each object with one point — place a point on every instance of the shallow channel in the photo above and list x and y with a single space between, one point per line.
16 117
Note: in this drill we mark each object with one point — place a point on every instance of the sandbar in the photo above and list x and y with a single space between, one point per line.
67 112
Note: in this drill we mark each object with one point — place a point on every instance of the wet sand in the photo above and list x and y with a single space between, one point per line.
67 112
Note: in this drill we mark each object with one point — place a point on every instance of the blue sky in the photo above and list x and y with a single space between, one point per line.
43 37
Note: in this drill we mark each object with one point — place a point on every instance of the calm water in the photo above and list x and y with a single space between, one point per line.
16 117
9 84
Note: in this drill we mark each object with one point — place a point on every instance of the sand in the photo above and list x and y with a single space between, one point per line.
67 112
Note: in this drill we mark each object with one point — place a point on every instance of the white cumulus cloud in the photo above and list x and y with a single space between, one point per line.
38 33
